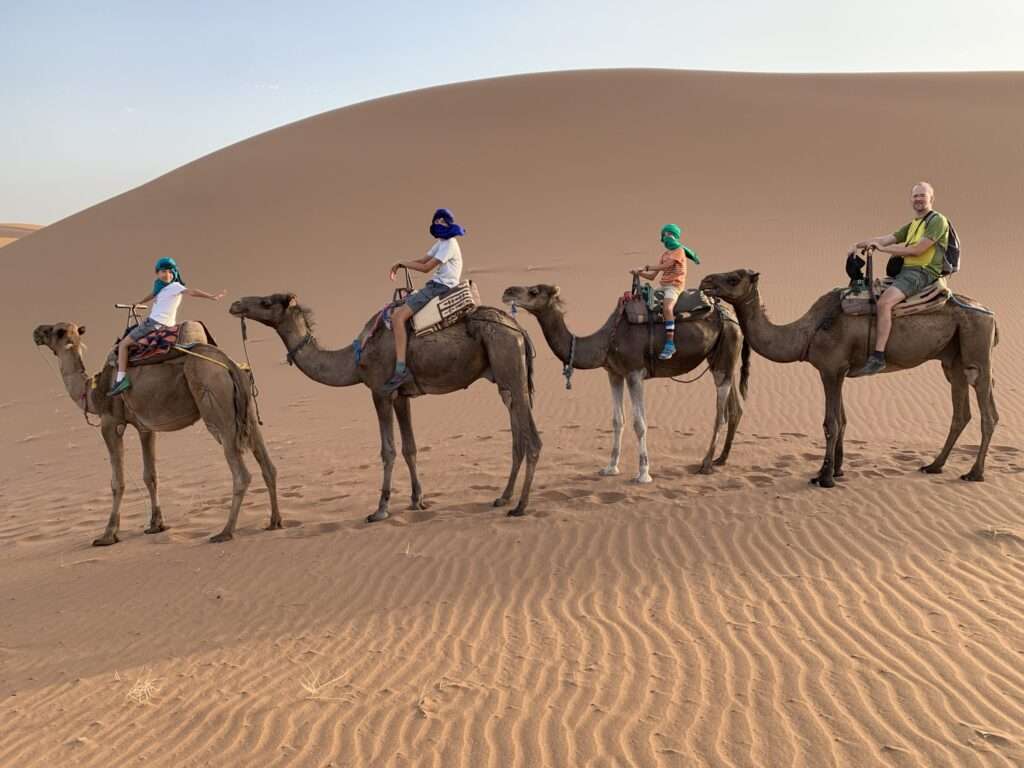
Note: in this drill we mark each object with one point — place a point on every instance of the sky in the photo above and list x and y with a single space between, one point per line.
99 98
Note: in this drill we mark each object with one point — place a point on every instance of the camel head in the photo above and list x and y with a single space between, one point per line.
60 337
731 286
534 298
270 310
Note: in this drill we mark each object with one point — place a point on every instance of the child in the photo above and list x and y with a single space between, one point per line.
168 288
445 256
673 281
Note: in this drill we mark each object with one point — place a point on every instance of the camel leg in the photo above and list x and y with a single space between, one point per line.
269 471
115 447
618 385
526 436
403 409
723 388
156 517
982 383
837 469
635 381
961 393
517 453
385 419
240 479
735 413
833 384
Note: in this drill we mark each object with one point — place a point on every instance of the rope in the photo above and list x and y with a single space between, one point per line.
568 367
695 378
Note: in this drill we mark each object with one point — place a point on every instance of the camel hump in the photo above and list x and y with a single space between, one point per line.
857 301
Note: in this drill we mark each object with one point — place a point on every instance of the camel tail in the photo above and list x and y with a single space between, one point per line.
530 353
744 368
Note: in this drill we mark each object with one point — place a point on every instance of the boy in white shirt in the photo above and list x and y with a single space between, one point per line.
445 256
168 288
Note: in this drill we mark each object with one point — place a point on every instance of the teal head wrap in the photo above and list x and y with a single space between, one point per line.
670 235
166 263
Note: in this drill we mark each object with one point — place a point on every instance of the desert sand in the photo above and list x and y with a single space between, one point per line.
744 618
11 232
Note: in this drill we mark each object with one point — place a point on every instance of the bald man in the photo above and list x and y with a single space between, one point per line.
922 243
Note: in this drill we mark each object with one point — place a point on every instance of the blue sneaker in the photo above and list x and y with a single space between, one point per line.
397 380
667 351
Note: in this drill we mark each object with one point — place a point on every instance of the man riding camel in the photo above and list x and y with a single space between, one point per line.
922 243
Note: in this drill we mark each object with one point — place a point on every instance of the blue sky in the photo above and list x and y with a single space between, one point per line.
99 98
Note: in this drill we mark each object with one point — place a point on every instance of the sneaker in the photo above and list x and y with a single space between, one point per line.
875 364
397 380
122 386
667 351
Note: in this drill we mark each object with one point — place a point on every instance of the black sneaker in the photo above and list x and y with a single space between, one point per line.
397 380
875 364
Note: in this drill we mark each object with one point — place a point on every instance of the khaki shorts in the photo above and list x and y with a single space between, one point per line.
671 292
913 280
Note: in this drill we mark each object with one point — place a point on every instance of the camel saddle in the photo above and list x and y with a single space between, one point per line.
857 300
646 305
165 343
447 309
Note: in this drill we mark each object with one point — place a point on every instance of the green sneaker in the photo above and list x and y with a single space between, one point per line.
122 386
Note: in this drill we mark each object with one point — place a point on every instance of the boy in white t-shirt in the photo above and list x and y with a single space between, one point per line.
445 257
168 288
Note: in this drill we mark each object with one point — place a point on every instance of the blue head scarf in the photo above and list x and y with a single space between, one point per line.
166 263
447 230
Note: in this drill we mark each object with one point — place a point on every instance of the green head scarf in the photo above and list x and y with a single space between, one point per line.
670 235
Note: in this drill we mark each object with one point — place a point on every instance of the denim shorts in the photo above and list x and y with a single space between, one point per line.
147 326
418 300
913 280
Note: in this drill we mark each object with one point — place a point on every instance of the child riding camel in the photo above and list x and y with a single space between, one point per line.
445 257
168 288
673 281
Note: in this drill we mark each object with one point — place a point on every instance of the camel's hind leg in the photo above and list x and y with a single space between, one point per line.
112 436
961 393
723 389
983 385
527 438
837 470
403 409
386 422
635 380
618 385
262 456
517 454
156 517
833 384
734 410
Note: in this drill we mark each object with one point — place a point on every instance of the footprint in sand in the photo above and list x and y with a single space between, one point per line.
1005 449
610 497
333 498
761 481
420 515
794 434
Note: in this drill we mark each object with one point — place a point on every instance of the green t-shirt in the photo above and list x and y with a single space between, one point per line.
936 230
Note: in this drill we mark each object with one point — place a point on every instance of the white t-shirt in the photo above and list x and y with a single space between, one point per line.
450 256
166 303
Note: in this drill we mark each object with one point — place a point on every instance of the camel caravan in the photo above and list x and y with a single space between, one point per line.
178 375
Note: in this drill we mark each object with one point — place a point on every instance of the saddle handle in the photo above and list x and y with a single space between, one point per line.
131 306
401 294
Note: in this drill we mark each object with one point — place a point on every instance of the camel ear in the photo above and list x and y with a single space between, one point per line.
753 276
292 301
81 330
554 290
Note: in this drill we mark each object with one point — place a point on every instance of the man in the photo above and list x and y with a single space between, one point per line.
445 256
922 244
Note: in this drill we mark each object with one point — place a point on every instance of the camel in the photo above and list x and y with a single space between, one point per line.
960 337
166 397
624 351
488 344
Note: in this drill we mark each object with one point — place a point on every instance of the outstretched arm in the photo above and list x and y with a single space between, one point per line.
204 295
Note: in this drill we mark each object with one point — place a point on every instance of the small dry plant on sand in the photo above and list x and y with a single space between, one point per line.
144 689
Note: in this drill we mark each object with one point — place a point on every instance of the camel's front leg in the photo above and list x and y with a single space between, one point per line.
112 436
723 388
403 409
618 385
156 517
636 397
385 419
837 470
833 384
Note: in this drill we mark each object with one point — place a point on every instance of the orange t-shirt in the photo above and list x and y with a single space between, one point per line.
673 265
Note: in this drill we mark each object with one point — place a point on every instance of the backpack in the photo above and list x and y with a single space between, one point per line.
951 255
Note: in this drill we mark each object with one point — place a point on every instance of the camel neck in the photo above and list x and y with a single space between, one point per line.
590 352
333 367
76 380
779 343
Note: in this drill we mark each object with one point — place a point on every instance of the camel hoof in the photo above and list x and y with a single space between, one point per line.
642 479
221 537
156 528
274 525
720 461
105 541
501 502
376 517
931 469
608 471
974 477
516 512
838 474
706 470
418 504
823 482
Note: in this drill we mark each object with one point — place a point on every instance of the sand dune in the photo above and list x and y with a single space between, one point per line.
11 232
739 619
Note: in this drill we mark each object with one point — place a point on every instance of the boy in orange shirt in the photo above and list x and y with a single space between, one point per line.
673 281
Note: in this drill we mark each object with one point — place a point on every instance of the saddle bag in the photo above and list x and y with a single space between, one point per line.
447 309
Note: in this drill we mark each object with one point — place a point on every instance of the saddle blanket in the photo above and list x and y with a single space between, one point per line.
857 300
